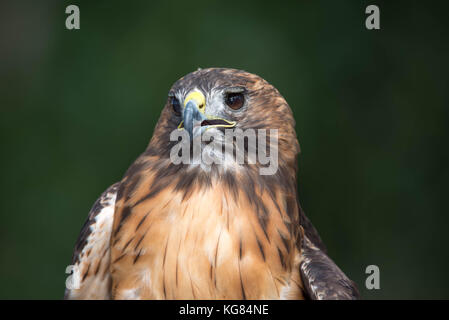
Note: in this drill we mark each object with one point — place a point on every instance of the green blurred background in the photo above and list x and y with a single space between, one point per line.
77 108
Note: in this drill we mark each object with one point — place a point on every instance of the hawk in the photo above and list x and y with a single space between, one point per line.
224 231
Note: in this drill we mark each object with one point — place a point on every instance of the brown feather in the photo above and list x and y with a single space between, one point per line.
180 232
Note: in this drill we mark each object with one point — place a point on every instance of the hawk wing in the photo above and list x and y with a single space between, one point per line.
310 231
321 277
91 258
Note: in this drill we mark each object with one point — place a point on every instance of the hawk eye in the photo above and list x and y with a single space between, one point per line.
176 106
235 100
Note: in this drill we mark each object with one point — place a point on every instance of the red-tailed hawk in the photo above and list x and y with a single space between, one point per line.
220 231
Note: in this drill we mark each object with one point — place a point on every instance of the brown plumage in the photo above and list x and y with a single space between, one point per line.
177 231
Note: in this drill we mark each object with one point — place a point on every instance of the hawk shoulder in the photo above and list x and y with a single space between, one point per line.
322 278
91 256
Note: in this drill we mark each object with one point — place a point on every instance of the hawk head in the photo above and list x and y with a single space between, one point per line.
216 99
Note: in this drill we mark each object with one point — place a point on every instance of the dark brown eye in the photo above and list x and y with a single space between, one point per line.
176 106
235 100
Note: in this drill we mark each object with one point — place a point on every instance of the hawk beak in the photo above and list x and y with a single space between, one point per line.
194 115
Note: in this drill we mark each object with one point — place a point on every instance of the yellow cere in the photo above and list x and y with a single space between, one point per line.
199 99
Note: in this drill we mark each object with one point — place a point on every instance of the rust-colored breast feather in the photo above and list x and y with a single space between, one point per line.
208 246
